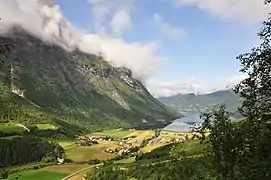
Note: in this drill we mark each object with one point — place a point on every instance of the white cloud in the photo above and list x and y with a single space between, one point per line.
192 85
113 16
165 29
236 10
48 23
121 22
138 57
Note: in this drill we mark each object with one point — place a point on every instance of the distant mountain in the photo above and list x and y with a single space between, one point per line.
193 102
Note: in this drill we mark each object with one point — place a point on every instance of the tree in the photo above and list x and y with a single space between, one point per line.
4 50
241 150
157 132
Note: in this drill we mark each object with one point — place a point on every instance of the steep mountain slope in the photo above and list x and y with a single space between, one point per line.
79 88
193 102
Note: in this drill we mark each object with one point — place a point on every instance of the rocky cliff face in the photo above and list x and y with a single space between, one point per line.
81 88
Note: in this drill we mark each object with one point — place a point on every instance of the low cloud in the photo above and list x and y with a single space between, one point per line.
235 10
44 19
192 85
165 30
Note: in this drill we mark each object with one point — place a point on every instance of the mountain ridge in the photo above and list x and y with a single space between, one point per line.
79 86
199 102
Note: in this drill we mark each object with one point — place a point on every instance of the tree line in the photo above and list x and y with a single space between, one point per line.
22 150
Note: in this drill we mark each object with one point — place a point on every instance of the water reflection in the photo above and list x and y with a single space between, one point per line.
186 123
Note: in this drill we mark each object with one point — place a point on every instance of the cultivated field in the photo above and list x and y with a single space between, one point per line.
76 152
37 175
114 133
48 173
84 153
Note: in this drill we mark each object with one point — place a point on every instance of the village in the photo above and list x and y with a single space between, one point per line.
131 145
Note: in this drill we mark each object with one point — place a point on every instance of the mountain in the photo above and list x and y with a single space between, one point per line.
193 102
73 88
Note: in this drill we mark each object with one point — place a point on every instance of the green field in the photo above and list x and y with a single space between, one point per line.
37 175
84 153
56 172
114 133
46 126
67 144
11 128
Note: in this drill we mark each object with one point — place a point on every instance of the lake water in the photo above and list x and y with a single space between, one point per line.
184 124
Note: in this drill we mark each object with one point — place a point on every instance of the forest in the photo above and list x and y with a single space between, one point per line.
21 150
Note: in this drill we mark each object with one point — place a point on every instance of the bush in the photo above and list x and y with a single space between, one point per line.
94 161
3 174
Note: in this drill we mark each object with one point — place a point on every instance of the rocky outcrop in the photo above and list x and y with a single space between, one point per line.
121 73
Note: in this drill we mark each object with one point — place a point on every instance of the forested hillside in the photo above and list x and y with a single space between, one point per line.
59 87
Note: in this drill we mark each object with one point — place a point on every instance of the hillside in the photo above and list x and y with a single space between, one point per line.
184 160
193 102
76 88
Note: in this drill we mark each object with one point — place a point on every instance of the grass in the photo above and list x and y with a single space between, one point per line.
67 144
141 134
37 175
84 153
149 148
65 168
46 126
126 160
114 133
191 148
11 128
56 172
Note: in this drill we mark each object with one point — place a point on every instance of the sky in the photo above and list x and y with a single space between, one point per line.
172 46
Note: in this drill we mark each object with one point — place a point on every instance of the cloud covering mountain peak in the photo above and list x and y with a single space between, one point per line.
44 19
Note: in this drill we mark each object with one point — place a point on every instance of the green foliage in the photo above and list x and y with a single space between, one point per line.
162 153
37 174
166 162
9 107
190 148
3 174
4 50
187 168
21 150
157 132
241 150
46 126
11 129
58 87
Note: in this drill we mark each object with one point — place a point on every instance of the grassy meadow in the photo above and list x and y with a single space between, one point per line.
11 128
114 133
46 126
56 172
83 153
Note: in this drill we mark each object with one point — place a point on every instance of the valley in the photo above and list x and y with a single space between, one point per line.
133 93
112 146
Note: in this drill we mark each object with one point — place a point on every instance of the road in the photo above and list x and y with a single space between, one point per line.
79 173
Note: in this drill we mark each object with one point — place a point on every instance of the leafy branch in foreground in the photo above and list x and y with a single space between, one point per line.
241 150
